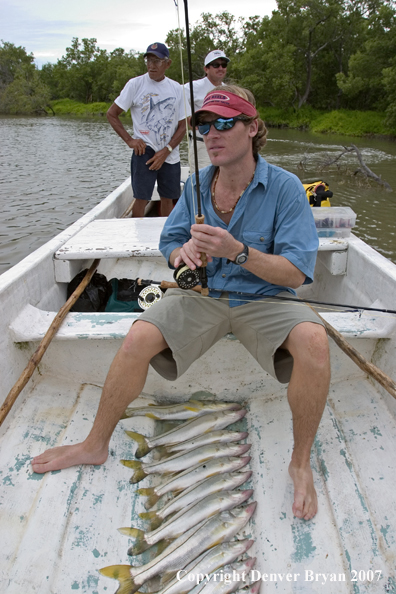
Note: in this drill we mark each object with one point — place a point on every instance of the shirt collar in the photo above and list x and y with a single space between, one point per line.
260 175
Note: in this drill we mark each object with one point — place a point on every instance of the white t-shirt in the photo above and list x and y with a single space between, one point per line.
156 109
201 87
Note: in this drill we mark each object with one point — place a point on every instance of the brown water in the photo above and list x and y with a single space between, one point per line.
53 170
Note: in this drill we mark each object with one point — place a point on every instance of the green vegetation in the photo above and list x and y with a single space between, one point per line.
342 121
71 107
326 65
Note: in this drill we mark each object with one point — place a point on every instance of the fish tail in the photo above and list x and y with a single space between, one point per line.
151 500
131 532
153 517
143 447
140 545
163 451
123 575
146 492
139 473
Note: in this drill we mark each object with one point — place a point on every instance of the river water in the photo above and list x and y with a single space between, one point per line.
53 170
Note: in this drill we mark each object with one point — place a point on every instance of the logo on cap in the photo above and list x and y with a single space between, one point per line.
154 46
216 97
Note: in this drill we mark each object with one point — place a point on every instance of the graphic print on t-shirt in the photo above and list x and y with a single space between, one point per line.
158 117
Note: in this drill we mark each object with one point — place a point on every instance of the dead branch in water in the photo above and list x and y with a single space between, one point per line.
363 169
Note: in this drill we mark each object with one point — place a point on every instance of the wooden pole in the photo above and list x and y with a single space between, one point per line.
44 344
372 370
52 330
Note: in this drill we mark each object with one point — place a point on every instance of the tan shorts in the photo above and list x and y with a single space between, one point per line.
191 324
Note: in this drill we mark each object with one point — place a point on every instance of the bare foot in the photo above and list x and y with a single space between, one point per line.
305 503
66 456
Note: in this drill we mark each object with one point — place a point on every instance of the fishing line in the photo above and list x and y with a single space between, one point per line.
185 100
243 296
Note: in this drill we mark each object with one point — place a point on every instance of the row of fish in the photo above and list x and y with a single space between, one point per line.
201 466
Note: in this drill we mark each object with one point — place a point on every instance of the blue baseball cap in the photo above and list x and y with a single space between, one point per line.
158 49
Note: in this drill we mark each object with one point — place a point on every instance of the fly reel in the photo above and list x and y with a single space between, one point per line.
185 277
149 295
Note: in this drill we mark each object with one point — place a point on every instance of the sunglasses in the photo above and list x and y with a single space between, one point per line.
218 64
220 124
155 61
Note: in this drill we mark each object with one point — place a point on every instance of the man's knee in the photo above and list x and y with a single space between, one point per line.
144 340
308 344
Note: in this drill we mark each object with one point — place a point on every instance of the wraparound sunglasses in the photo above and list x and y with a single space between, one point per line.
220 124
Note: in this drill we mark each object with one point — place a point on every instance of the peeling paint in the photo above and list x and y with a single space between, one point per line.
302 538
376 432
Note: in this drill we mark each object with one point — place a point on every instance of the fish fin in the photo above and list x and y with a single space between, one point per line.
167 576
141 440
163 451
153 585
131 532
151 500
152 416
161 546
123 575
140 545
193 405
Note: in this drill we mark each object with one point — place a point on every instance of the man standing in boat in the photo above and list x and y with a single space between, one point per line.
215 67
260 238
157 109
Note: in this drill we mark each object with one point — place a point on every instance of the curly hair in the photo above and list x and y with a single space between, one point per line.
260 140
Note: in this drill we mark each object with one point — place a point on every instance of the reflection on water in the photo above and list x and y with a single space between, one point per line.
53 170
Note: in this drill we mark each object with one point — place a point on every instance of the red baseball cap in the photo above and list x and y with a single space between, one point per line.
228 105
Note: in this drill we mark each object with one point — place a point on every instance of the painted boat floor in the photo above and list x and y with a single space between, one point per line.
58 529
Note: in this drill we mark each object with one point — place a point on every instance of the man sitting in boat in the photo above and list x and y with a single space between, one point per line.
157 109
260 238
215 67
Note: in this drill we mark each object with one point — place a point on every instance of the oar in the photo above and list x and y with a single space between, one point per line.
52 330
44 344
375 372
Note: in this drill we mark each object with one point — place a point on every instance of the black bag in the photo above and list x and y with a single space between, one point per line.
124 295
95 295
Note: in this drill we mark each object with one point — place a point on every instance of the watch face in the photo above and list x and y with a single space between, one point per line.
241 258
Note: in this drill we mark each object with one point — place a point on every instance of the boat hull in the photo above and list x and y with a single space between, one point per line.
58 529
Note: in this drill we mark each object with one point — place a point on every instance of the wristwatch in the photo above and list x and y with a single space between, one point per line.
170 149
242 257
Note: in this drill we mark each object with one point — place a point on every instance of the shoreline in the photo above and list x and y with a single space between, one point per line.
358 124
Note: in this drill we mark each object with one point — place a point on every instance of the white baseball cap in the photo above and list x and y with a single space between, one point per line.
214 55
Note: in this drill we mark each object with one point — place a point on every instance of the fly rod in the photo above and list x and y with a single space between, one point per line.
199 218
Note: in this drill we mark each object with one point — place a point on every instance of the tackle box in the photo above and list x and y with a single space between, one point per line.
334 221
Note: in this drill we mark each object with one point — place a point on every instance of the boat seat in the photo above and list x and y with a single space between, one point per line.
124 238
32 324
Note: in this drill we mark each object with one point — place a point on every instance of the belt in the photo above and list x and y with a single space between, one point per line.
199 139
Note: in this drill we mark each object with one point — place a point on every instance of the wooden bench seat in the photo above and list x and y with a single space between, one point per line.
127 238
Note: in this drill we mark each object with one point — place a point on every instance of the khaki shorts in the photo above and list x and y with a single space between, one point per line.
191 324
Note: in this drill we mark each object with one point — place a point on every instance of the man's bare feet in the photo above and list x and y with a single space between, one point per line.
305 503
66 456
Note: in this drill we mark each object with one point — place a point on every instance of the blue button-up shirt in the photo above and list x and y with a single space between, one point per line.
272 216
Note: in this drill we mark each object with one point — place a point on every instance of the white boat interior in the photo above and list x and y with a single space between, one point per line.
58 529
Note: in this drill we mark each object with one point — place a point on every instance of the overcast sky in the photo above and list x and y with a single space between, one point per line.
46 27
